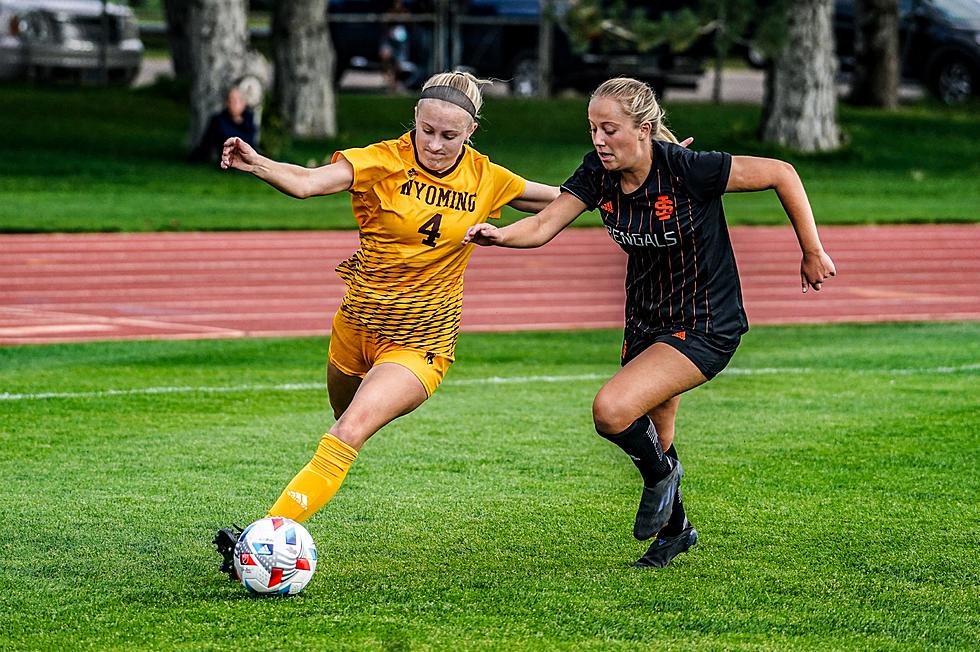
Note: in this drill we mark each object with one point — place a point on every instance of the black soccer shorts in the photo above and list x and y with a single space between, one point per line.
709 353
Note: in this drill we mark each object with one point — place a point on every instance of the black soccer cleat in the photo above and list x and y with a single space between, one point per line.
225 541
664 549
657 503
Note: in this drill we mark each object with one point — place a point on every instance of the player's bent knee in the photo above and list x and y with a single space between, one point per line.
352 436
609 416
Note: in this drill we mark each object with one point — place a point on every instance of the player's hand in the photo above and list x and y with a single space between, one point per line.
238 154
687 141
815 269
482 234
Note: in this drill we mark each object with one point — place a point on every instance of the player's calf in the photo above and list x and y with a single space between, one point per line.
657 504
661 475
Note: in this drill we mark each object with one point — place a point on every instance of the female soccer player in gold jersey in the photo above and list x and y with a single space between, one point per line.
394 335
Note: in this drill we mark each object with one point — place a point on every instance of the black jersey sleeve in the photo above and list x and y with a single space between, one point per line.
704 174
586 182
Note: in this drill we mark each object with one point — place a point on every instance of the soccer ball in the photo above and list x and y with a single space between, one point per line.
275 555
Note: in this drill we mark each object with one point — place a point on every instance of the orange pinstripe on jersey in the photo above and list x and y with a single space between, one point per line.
405 282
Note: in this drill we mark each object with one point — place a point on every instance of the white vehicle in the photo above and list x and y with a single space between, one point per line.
69 39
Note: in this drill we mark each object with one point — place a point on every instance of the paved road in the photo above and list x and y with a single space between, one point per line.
736 85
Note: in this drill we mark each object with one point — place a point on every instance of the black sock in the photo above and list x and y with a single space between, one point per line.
641 443
678 519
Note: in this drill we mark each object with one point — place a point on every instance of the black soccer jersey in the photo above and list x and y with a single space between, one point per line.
681 270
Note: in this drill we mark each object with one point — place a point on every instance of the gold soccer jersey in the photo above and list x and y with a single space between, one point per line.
405 282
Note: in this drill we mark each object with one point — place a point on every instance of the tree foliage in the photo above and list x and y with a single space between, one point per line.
606 26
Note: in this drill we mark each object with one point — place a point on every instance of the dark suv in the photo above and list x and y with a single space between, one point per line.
499 38
508 49
939 44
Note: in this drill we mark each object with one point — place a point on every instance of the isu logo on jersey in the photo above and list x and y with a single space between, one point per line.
664 207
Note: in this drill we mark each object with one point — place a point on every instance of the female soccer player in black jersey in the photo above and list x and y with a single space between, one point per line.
684 317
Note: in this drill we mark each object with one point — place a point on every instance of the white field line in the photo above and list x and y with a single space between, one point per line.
491 380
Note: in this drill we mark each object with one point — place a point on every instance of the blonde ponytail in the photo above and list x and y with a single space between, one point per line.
639 102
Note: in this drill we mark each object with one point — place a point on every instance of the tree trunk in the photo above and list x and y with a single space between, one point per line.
219 41
177 17
801 102
721 51
304 65
876 74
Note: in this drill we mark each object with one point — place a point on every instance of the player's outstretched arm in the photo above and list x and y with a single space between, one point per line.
750 173
535 198
532 231
293 180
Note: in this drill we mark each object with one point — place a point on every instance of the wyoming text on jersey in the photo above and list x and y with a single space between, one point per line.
442 197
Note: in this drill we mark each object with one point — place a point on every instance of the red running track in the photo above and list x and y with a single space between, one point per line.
60 288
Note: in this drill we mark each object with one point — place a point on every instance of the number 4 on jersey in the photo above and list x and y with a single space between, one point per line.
431 230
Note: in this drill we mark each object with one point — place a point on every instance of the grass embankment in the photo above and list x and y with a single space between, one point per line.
112 160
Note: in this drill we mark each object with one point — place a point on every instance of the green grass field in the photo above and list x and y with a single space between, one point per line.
112 160
832 473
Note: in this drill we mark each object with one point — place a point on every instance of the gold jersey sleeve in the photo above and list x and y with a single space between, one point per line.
405 282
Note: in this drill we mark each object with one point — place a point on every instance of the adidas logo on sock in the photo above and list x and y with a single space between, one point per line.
301 499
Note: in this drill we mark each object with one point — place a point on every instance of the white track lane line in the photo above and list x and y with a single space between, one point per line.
490 380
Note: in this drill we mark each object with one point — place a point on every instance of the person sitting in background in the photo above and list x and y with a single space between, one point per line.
236 120
393 51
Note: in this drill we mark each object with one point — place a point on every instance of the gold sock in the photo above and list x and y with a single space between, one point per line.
317 482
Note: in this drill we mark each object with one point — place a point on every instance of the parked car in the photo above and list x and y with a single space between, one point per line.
499 39
939 44
508 50
65 39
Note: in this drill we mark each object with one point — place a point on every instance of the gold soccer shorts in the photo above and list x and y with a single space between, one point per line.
354 350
